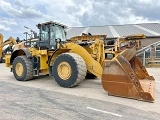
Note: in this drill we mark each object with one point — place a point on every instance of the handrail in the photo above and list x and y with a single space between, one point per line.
147 48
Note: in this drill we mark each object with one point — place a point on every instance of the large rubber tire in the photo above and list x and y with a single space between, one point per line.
78 69
27 73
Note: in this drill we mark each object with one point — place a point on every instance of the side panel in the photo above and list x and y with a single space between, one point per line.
43 58
39 59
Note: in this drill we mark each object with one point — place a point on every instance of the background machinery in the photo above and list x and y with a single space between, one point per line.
10 41
69 61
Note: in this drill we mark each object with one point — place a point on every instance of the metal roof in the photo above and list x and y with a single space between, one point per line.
55 23
114 31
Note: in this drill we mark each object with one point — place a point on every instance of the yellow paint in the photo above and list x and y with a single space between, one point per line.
41 52
44 71
19 69
64 70
43 62
7 60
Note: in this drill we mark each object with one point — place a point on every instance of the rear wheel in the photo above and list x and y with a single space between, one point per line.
22 68
69 69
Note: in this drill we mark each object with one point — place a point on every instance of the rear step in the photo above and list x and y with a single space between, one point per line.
126 77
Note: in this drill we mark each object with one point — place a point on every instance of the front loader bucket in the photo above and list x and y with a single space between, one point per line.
125 76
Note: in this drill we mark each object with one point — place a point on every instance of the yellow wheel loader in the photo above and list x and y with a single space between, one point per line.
10 41
69 61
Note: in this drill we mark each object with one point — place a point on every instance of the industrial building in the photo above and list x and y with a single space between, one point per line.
150 53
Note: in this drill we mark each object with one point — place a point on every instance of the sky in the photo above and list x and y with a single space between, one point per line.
15 14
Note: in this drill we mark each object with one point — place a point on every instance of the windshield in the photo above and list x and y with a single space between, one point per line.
52 32
44 33
57 32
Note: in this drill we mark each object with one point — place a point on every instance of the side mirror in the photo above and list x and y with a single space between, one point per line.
39 26
58 40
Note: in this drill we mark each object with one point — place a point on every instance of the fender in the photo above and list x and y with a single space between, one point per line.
55 54
19 52
93 66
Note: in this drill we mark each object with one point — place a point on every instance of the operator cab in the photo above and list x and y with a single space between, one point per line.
49 34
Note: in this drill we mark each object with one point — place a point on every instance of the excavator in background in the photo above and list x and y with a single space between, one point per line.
10 41
69 61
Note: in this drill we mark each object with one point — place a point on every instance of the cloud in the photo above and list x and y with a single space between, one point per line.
19 13
5 24
7 8
20 3
4 28
31 13
103 12
148 9
19 10
7 21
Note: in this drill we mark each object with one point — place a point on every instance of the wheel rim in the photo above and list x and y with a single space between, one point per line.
64 70
19 69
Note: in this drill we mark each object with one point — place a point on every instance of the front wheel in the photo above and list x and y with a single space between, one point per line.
22 68
69 69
